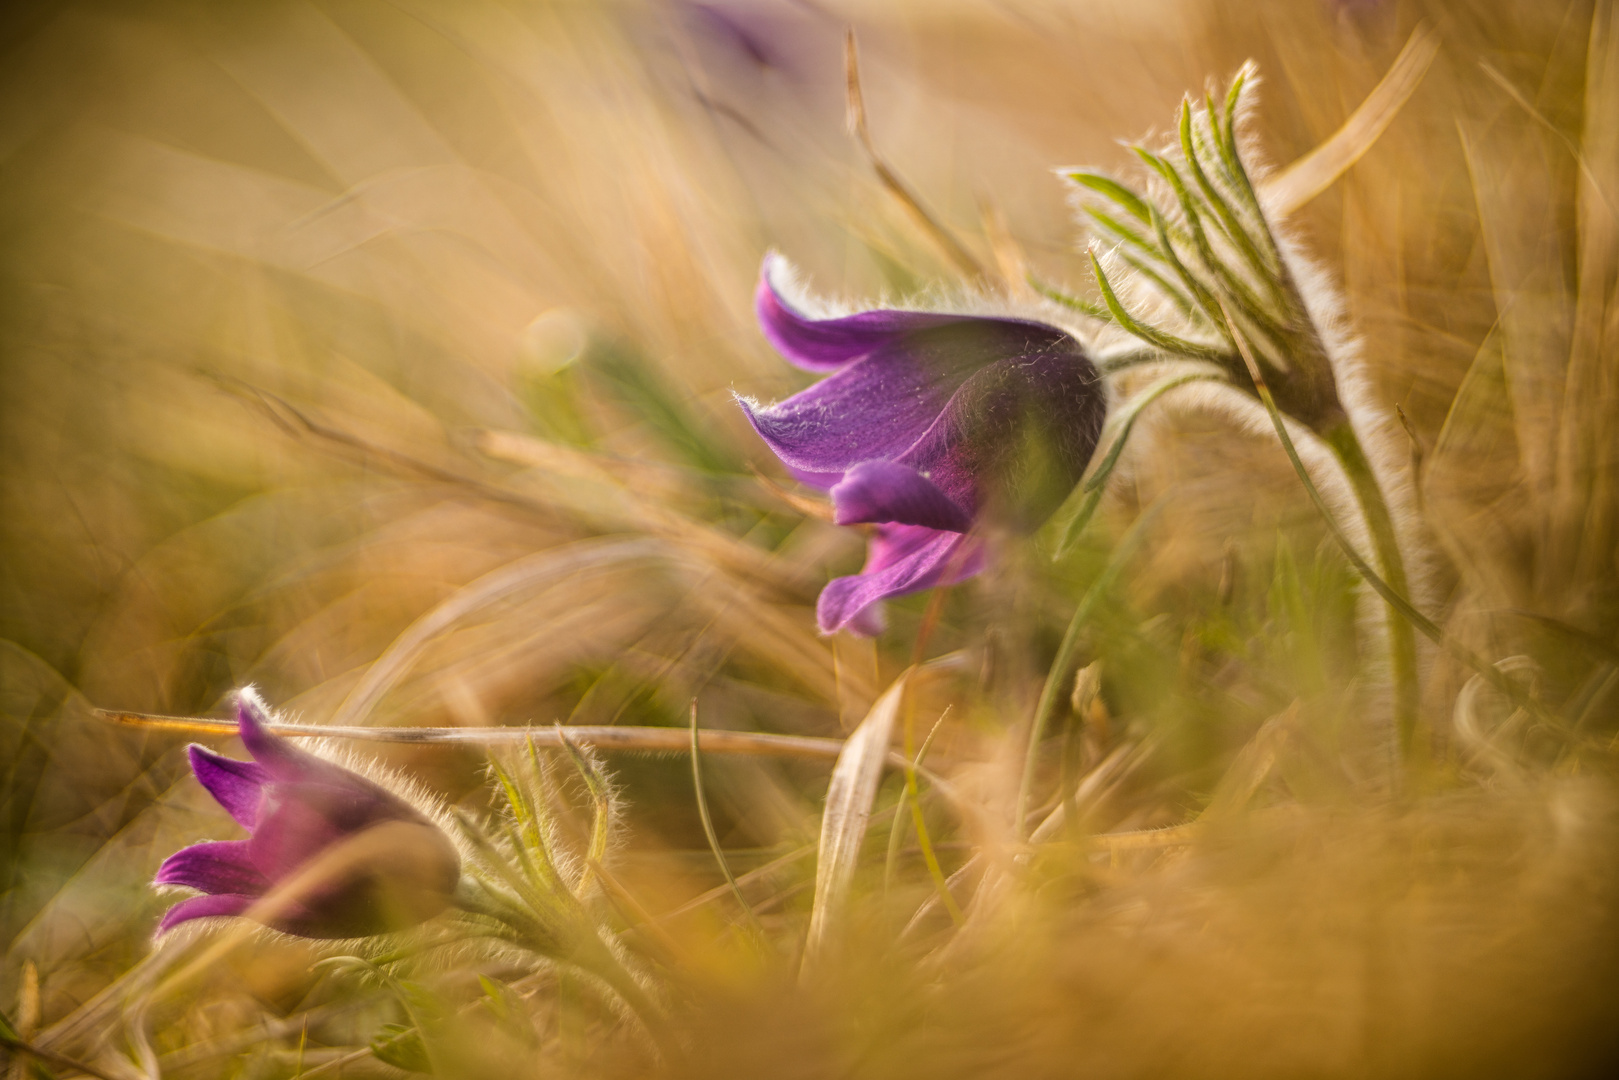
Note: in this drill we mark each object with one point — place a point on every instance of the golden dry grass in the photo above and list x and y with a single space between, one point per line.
381 355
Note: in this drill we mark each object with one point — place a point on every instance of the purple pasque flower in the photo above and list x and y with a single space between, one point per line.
340 855
926 424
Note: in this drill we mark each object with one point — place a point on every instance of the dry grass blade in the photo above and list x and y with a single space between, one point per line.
1111 771
1490 745
1579 156
636 915
953 249
819 509
298 425
600 737
1587 516
1252 766
527 573
848 810
749 878
552 459
1316 171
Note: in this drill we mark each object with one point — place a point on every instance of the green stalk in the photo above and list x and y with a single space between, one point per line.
912 795
1391 564
896 831
1395 599
1127 418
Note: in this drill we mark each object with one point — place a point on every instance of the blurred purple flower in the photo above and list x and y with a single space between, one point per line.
298 807
926 424
749 32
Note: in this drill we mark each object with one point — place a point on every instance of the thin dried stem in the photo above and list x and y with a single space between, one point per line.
1316 171
947 243
601 737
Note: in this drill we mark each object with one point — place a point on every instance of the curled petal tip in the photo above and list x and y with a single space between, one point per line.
902 559
203 907
238 786
252 718
278 757
827 344
213 867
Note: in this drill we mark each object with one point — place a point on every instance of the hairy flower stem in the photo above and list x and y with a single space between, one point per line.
640 1004
1522 696
1319 390
1402 640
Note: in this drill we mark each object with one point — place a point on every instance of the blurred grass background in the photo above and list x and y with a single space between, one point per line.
380 355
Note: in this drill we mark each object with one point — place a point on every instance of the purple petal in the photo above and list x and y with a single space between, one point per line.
279 758
1019 433
298 821
285 763
214 867
308 803
828 344
204 907
886 491
902 559
299 806
235 785
881 406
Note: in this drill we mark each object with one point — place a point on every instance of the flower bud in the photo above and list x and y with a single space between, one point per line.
331 854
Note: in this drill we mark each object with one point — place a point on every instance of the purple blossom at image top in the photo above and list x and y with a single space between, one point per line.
926 425
386 865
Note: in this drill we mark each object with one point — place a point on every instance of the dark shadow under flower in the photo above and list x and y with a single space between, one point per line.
926 424
394 867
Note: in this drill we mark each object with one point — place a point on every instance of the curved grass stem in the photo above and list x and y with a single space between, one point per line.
910 797
708 822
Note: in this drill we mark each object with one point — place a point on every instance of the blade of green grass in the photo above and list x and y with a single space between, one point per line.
1057 676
